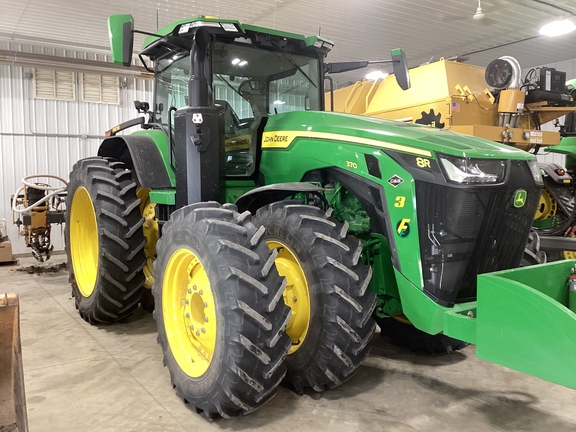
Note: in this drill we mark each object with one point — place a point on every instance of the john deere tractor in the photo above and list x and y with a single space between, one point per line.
272 233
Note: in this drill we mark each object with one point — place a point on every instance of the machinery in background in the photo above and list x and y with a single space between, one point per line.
492 103
35 207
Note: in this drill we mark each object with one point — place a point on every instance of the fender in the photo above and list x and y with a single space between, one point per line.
256 198
141 153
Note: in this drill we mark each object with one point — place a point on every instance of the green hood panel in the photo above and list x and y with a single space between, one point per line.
397 133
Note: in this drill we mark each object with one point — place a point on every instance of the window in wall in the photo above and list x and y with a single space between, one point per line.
100 88
54 84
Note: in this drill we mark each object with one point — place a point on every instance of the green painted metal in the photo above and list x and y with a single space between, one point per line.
161 140
307 155
567 147
523 322
377 253
420 309
234 189
121 43
347 208
412 135
163 196
460 322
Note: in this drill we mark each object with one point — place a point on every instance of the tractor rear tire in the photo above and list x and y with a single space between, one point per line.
219 310
327 291
104 240
406 335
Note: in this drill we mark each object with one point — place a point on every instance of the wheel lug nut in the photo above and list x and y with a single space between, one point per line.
203 330
194 287
205 319
187 301
295 299
205 304
191 327
187 315
200 292
197 333
189 291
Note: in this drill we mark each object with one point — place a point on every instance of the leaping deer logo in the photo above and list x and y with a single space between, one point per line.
520 198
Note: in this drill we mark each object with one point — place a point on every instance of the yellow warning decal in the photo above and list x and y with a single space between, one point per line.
283 139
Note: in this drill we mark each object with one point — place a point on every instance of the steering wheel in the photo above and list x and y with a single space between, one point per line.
252 87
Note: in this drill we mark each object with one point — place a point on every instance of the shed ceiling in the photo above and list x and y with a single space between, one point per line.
361 29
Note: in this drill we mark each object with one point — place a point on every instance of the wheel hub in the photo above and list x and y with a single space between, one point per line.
84 241
296 294
189 312
547 206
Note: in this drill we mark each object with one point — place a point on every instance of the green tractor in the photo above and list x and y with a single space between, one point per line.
272 235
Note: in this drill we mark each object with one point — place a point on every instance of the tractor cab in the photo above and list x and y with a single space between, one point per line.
248 81
216 84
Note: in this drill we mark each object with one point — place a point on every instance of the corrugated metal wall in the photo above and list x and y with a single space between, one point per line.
48 137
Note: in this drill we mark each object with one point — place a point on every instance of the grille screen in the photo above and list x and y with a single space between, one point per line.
467 231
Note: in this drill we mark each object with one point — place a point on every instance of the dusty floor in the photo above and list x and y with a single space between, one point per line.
110 378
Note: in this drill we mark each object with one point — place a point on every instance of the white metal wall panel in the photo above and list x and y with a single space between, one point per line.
47 136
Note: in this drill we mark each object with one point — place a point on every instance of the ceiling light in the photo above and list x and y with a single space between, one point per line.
376 75
557 28
235 61
279 102
243 63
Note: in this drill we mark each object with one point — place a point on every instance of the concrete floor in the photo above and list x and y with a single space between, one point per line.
110 378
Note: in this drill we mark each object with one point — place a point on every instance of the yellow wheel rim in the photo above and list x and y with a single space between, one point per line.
84 241
547 206
296 294
189 312
568 255
150 230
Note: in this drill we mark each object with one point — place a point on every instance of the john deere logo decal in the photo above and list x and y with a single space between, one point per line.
403 228
520 198
395 180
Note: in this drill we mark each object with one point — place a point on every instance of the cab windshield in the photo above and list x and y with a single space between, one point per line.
250 84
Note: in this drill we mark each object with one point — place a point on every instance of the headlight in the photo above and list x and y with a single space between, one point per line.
465 170
536 173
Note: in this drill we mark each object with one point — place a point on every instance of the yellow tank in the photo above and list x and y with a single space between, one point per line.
455 96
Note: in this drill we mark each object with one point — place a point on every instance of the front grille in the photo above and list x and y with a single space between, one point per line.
465 231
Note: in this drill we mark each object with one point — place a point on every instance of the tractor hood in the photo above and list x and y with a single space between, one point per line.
393 134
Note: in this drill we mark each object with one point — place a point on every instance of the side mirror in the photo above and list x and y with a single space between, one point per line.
121 33
400 68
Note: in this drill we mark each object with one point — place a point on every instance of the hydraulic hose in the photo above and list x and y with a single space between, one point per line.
54 191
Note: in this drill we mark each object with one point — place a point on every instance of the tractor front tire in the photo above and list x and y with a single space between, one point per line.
219 310
104 240
327 289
